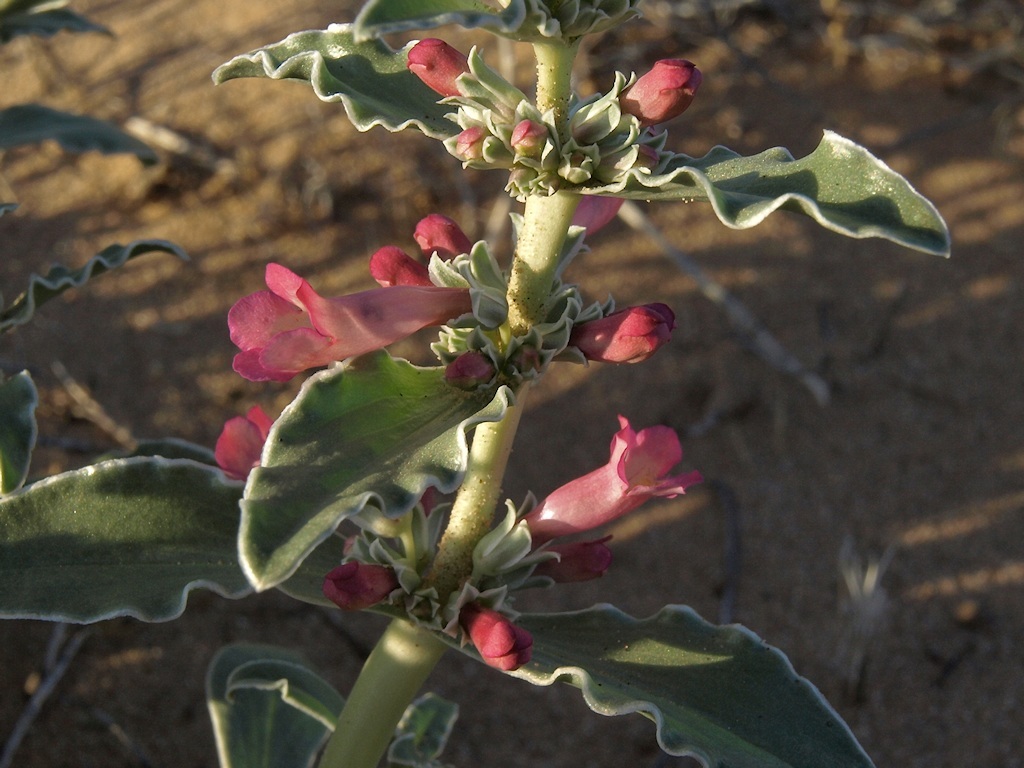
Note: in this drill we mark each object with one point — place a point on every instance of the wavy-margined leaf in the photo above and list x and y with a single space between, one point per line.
128 537
716 693
370 79
423 732
41 17
840 185
34 123
167 447
269 708
60 278
376 430
524 20
18 401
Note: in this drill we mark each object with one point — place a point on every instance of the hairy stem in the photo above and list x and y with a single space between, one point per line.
390 678
554 80
475 503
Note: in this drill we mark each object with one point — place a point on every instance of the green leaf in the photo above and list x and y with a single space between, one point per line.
384 17
840 185
129 537
18 401
41 17
33 123
7 208
169 448
374 431
60 278
716 693
370 79
307 583
269 708
423 732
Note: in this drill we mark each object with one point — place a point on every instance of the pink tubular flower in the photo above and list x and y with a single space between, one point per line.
438 65
240 444
354 585
637 471
501 643
628 336
291 328
663 93
441 235
579 561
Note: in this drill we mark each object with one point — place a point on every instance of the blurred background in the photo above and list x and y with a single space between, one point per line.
878 539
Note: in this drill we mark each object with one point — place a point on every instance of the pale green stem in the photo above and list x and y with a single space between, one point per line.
390 678
554 80
473 511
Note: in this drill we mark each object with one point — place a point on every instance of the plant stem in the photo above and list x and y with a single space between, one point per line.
390 678
545 223
554 80
474 506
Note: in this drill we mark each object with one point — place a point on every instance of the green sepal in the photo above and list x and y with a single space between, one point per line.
18 401
269 708
61 278
375 430
423 732
840 185
128 537
41 17
719 694
34 123
370 79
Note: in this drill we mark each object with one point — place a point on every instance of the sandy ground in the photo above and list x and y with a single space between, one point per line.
920 453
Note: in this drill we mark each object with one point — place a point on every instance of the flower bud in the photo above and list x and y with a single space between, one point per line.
528 137
469 370
595 211
240 444
469 145
579 561
438 65
663 93
628 336
441 235
392 266
501 643
355 585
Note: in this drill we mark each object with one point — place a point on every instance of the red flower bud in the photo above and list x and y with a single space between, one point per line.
595 211
579 561
528 137
354 585
438 65
240 444
441 235
663 93
628 336
501 643
392 266
469 145
469 370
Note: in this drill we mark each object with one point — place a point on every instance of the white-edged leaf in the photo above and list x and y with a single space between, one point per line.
18 401
34 123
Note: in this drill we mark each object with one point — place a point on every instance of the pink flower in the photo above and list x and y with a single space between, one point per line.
291 328
438 65
441 235
628 336
595 211
240 444
355 585
501 643
637 471
578 561
663 93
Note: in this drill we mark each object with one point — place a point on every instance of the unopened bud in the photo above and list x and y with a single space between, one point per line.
500 643
528 137
663 93
469 145
441 235
438 65
579 561
469 370
629 336
392 266
355 585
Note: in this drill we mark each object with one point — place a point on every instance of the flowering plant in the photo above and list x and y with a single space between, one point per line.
379 486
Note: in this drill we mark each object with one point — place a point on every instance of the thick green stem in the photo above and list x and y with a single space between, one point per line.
554 80
390 678
545 223
473 511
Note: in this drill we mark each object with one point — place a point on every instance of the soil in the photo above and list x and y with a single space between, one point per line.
918 460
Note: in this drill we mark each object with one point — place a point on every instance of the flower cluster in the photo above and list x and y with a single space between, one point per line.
608 135
522 551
